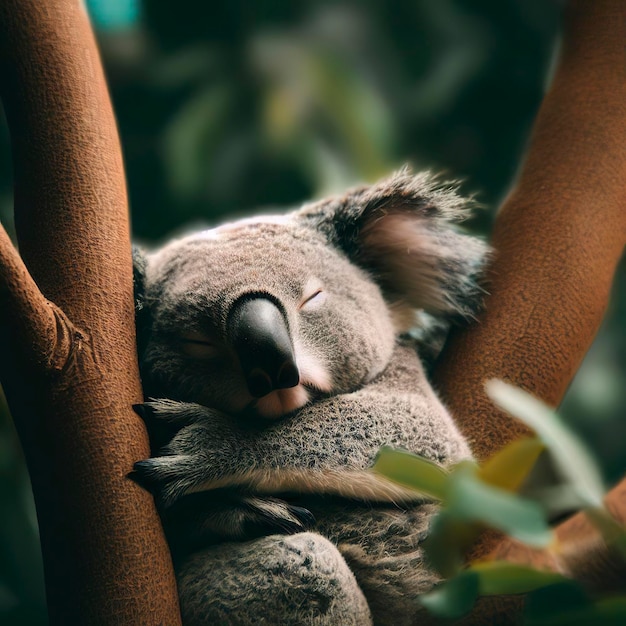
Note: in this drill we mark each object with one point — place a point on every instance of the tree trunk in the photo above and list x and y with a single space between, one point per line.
67 324
558 239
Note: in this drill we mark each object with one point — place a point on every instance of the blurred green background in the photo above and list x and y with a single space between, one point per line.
229 106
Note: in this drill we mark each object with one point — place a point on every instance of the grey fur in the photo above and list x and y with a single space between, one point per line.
269 504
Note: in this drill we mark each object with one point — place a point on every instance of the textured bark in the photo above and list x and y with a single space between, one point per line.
71 373
558 238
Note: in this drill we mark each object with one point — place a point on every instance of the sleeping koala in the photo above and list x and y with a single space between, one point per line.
279 347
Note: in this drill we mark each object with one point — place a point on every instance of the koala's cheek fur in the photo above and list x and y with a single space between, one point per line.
351 345
215 383
351 334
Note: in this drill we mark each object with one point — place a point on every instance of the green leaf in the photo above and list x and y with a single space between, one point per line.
454 598
568 606
544 603
508 468
571 458
472 500
457 596
448 541
503 577
412 471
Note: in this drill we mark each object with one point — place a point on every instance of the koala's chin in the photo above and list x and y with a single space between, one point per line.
314 384
281 402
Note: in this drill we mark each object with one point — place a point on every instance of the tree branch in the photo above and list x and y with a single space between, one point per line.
39 326
558 236
70 391
558 239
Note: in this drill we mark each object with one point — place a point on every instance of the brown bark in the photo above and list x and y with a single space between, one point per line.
558 238
71 376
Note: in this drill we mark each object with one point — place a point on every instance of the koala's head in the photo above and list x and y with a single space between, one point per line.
259 316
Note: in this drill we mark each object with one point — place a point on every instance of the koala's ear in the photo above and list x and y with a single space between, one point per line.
402 230
143 319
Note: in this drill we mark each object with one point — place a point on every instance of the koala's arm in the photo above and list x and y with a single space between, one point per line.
326 447
287 576
200 519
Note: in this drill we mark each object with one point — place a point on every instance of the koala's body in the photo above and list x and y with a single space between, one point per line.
278 348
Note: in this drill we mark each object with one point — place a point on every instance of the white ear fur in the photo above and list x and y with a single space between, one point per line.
423 265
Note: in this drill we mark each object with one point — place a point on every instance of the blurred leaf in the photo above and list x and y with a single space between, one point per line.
543 603
556 500
412 471
473 500
192 137
359 116
448 541
566 604
454 598
503 577
332 174
508 468
281 115
571 458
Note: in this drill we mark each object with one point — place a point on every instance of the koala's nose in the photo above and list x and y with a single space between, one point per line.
258 332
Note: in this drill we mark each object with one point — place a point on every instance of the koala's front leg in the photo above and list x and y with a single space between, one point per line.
198 452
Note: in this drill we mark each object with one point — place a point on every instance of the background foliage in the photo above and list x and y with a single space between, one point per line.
231 106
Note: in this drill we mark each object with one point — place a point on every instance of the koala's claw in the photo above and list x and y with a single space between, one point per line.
161 476
141 410
304 515
138 477
169 411
268 516
205 518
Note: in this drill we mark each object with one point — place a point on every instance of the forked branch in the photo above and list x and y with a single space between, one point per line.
71 391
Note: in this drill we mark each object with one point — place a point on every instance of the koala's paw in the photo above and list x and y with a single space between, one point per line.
164 418
166 411
194 458
269 516
167 478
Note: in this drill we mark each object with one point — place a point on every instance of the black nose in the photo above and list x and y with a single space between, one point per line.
258 332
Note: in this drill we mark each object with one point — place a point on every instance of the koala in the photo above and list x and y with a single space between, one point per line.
279 355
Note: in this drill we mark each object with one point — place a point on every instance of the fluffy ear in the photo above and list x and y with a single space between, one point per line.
143 320
402 230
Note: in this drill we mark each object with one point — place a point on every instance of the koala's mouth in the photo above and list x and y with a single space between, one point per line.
281 402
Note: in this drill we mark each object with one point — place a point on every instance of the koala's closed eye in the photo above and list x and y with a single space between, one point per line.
199 346
313 301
